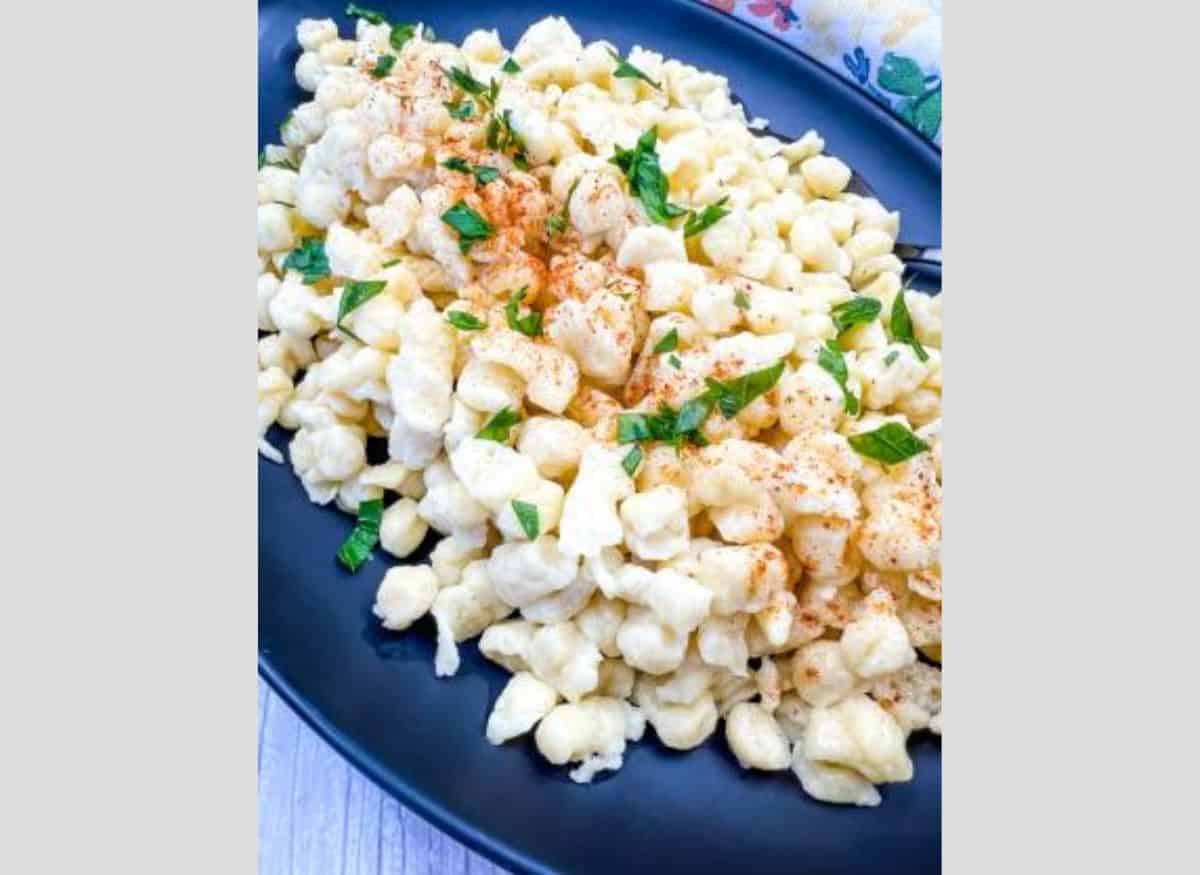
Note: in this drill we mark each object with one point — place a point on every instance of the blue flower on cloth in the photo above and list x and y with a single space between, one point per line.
892 49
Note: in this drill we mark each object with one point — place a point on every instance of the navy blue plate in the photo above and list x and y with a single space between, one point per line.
373 695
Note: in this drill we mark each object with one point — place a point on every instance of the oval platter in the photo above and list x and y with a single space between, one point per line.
373 694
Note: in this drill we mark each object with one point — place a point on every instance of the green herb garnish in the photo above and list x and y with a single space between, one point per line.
891 444
527 516
392 263
354 295
464 321
834 363
557 223
356 549
890 357
855 312
510 66
471 226
530 324
383 66
646 180
503 137
741 301
902 327
483 174
368 15
460 111
669 342
468 83
626 70
498 426
733 396
401 34
631 461
673 361
706 218
309 259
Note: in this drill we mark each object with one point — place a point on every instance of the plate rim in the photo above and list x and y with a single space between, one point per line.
475 837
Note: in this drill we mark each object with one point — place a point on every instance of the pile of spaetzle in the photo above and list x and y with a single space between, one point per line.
653 378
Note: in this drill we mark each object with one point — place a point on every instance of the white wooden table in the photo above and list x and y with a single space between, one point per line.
318 816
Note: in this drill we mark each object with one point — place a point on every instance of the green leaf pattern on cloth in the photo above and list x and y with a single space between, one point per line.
893 51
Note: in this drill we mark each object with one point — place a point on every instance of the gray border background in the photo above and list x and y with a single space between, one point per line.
128 630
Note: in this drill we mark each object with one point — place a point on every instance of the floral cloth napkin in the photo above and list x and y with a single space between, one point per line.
892 49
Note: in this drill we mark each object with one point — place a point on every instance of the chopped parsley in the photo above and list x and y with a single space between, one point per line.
530 324
368 15
557 223
626 70
471 226
356 549
483 174
401 34
468 83
510 66
464 321
673 361
503 137
735 395
631 461
833 362
309 259
498 426
383 66
741 301
354 295
855 312
461 110
902 327
527 516
890 357
891 444
392 263
646 180
706 218
669 343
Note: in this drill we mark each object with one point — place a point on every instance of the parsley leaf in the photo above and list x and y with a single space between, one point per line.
502 137
483 174
666 425
674 361
531 324
471 226
890 357
392 263
464 80
309 258
834 363
631 461
460 111
626 70
511 66
902 327
733 397
556 224
854 312
368 15
383 66
669 343
891 444
498 426
356 549
401 34
646 180
527 516
741 301
706 218
464 321
354 295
